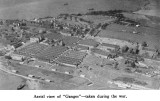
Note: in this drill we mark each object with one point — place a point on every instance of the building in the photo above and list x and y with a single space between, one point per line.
34 40
100 53
65 33
14 71
107 46
88 42
10 47
17 57
81 48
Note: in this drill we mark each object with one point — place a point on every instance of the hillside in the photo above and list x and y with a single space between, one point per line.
40 8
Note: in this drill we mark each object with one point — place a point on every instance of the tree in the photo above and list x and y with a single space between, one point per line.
144 44
125 49
8 57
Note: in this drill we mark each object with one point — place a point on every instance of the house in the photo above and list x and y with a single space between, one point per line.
31 76
34 39
54 69
10 47
66 72
83 76
14 71
81 48
70 65
48 80
17 57
122 85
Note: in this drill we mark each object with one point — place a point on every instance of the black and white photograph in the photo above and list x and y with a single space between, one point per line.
79 45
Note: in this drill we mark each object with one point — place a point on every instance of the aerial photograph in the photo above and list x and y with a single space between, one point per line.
79 44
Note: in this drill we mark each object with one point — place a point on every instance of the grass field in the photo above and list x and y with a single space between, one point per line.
9 82
151 36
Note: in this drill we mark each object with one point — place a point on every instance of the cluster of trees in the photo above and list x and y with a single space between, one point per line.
126 49
83 20
108 13
125 21
104 26
121 19
144 44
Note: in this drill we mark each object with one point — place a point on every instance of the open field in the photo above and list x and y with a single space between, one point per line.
144 34
9 82
151 9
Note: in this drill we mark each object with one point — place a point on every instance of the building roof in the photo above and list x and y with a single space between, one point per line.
109 45
88 42
99 51
80 47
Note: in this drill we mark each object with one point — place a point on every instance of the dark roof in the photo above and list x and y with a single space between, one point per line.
109 45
